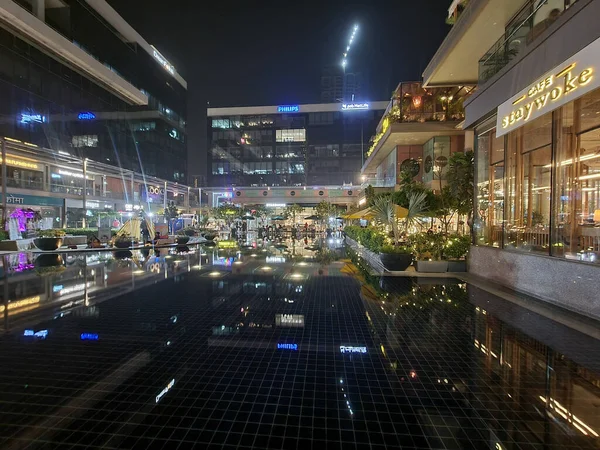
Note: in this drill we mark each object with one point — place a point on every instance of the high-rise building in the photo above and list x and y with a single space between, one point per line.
535 115
78 79
333 88
290 145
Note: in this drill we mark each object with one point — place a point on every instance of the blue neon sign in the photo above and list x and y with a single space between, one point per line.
89 336
288 346
288 108
87 115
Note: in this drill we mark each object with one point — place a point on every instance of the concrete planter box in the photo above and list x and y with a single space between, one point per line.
396 261
458 265
432 266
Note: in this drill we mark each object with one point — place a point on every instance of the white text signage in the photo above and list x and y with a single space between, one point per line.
572 79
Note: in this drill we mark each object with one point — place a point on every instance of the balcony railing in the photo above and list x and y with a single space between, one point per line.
522 31
379 182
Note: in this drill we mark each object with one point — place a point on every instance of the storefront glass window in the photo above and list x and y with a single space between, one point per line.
529 159
490 189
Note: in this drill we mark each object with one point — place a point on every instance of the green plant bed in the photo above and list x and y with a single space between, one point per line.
89 232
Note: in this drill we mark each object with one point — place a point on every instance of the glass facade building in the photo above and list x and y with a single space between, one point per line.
76 78
289 145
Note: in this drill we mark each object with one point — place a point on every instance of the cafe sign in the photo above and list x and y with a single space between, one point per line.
565 83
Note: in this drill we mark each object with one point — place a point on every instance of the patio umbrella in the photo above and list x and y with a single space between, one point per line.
248 217
313 217
277 218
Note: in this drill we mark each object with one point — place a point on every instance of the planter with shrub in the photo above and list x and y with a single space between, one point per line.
455 251
49 240
428 249
395 258
182 237
123 241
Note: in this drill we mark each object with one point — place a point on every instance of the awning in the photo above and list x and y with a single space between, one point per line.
366 213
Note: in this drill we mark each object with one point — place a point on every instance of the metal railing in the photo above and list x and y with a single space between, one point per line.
523 30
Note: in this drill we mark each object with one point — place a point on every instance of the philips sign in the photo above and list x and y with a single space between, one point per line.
288 108
354 106
86 116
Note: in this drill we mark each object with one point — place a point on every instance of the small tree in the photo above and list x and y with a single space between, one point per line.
460 178
417 207
170 213
292 210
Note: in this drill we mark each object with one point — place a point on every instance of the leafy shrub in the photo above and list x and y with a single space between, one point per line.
428 245
3 235
369 237
51 233
397 249
457 246
89 232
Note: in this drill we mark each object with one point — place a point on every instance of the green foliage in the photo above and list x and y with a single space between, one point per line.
397 249
325 256
293 210
3 235
187 231
325 209
89 232
428 245
384 210
171 211
51 233
370 194
457 246
371 238
460 178
226 212
417 208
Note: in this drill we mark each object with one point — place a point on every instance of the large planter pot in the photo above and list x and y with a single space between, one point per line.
123 243
209 236
458 265
182 240
432 266
395 261
48 244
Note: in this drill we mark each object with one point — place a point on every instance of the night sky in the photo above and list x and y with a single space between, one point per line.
260 53
269 53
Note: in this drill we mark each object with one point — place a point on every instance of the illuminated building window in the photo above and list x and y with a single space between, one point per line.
144 126
86 140
292 135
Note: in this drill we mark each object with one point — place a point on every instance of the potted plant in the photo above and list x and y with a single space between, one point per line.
393 257
123 241
428 248
396 257
455 252
49 240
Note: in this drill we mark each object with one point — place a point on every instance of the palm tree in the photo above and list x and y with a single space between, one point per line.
417 207
384 212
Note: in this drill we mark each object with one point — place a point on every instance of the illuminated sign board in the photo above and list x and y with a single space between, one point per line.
89 336
354 106
288 108
163 62
275 259
345 349
276 205
165 390
86 115
32 118
566 82
19 163
288 347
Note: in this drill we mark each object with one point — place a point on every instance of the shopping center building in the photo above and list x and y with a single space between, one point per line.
419 130
76 78
536 118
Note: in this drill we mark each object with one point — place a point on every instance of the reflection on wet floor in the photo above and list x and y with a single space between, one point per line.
270 349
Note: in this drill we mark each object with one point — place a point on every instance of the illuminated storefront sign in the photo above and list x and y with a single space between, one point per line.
288 108
87 115
155 190
165 390
275 259
163 62
344 349
276 205
21 163
287 346
354 106
565 83
32 118
22 199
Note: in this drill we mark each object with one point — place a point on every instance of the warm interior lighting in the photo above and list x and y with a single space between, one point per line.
597 215
569 161
21 303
